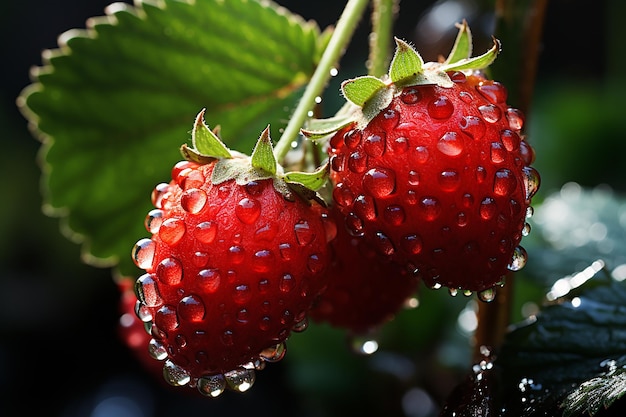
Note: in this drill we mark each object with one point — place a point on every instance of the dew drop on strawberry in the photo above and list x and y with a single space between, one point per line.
265 323
166 318
227 338
357 162
410 95
315 264
330 227
466 97
430 208
248 210
354 225
450 144
287 283
488 208
510 139
240 380
147 291
531 181
342 194
364 207
262 260
143 312
157 350
200 259
191 308
449 180
414 178
461 219
487 295
352 139
473 126
504 182
243 316
394 215
412 244
383 244
422 154
458 77
400 145
236 255
205 232
172 231
143 253
274 353
527 153
379 182
467 200
490 113
170 271
515 118
242 294
440 108
337 162
304 233
193 200
158 193
492 91
212 385
481 174
374 145
286 251
174 374
153 221
209 280
300 325
497 153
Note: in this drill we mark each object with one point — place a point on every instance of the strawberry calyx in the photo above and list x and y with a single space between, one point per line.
208 147
367 95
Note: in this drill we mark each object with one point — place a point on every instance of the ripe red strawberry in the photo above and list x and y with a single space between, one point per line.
433 171
363 293
233 265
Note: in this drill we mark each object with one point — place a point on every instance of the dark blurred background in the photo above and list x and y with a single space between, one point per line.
60 354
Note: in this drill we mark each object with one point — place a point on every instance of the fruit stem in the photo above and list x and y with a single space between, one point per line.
493 320
381 37
346 25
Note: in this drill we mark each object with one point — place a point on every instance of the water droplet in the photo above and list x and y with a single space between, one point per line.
236 254
248 210
458 77
453 291
394 215
212 385
515 118
510 139
314 264
529 212
337 162
354 224
190 178
497 153
412 244
400 145
286 251
473 126
242 294
467 200
181 166
174 374
240 379
487 295
170 271
466 97
526 229
531 181
430 208
287 283
379 182
181 341
227 338
488 208
414 178
504 182
300 325
274 353
440 108
490 113
153 220
143 312
209 280
342 194
410 95
265 323
383 244
357 162
527 152
374 145
365 208
304 234
449 180
158 193
493 91
193 200
157 350
450 144
518 259
352 138
143 253
147 291
422 154
461 219
166 318
205 232
390 119
172 231
191 308
262 261
334 72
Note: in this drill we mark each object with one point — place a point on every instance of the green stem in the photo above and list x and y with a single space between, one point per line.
380 40
344 30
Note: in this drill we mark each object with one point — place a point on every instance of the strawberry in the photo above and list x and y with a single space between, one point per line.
431 168
235 260
363 293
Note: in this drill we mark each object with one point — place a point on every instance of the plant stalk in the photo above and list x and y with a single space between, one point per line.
346 25
383 14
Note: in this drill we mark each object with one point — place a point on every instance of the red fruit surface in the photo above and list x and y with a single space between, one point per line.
230 271
439 182
363 293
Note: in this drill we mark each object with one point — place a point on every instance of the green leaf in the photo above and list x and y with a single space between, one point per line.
206 141
475 63
462 48
555 360
114 104
320 128
406 62
311 180
361 89
263 155
596 394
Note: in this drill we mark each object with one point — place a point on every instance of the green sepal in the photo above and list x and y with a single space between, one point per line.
206 142
263 157
475 63
311 180
406 62
361 89
462 48
320 128
193 155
